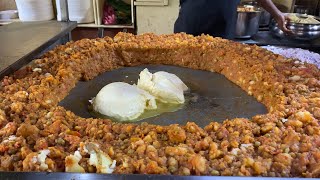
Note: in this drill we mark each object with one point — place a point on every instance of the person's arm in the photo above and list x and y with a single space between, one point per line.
276 14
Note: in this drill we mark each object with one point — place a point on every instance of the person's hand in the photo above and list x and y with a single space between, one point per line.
281 19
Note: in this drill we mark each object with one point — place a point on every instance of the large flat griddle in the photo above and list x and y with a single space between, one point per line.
217 97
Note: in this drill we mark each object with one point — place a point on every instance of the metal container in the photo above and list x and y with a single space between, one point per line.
304 10
247 24
265 18
265 15
300 31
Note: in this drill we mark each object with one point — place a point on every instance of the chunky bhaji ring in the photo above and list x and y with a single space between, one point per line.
38 135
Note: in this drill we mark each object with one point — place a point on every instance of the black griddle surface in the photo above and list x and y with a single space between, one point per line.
218 98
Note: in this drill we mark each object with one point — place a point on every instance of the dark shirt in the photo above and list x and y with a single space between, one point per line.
213 17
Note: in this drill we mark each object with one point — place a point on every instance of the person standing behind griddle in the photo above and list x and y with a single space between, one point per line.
217 17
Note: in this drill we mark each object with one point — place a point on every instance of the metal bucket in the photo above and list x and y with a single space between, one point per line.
265 18
247 24
265 15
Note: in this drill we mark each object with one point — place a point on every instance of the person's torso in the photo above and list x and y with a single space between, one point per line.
215 17
211 1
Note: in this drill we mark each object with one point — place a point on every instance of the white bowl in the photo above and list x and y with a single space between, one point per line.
35 10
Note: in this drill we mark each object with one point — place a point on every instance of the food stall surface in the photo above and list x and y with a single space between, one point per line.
23 41
263 38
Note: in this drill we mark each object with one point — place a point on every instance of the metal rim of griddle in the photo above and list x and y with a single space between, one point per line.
94 176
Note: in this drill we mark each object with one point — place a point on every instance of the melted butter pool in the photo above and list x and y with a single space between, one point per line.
149 113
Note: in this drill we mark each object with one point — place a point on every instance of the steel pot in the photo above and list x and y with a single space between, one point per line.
265 15
247 24
265 18
300 31
304 10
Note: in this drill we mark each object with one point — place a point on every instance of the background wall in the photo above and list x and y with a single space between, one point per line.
157 19
307 2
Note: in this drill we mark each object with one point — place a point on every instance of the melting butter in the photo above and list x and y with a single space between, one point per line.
161 108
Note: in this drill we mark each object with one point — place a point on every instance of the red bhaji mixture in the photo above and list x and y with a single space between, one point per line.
38 135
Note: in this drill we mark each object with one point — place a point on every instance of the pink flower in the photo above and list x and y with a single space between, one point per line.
109 16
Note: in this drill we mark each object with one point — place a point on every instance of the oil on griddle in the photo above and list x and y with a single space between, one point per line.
212 97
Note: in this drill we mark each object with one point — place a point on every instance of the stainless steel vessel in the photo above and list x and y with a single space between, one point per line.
304 10
247 24
265 18
300 31
265 15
